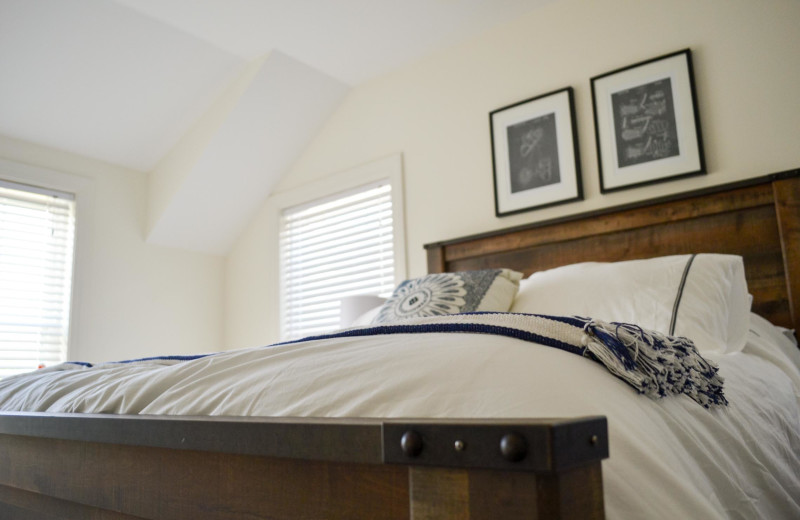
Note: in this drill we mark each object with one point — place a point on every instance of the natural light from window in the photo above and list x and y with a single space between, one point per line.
37 230
333 248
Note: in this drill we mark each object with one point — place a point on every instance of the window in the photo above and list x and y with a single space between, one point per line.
37 229
333 248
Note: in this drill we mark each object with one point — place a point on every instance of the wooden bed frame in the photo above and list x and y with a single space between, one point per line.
70 466
758 219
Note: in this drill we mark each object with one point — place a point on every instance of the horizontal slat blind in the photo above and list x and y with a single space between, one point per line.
37 229
331 249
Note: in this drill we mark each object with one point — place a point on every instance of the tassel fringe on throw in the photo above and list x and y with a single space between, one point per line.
655 364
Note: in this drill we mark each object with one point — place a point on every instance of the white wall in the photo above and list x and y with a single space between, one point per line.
130 299
435 112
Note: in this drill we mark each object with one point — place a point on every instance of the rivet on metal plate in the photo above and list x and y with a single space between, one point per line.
513 447
411 443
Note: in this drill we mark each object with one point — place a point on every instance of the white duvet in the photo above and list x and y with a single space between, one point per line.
669 459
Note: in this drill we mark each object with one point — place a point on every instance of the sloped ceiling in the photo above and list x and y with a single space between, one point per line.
213 99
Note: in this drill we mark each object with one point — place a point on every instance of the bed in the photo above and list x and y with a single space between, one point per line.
472 457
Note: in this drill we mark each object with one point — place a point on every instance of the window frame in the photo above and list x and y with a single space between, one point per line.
382 170
52 206
83 190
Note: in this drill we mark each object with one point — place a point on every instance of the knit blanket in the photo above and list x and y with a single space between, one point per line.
653 363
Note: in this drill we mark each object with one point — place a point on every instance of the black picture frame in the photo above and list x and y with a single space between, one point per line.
535 158
647 124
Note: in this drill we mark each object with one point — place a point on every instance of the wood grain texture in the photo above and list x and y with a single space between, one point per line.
439 494
758 220
17 504
577 493
454 494
610 220
787 197
165 484
436 262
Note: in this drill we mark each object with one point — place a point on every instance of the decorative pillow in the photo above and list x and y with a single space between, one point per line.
703 297
451 293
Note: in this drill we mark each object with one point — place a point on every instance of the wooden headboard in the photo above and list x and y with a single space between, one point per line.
758 219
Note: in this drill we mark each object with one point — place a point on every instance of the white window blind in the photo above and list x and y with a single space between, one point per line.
333 248
37 229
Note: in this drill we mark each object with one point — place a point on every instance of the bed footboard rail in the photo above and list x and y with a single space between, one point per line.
156 467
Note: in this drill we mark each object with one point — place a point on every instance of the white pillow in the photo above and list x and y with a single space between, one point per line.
367 317
489 290
358 309
702 297
773 335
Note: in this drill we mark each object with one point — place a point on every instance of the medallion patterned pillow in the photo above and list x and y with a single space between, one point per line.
490 290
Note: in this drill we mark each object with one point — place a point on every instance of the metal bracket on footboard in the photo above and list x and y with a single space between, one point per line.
546 446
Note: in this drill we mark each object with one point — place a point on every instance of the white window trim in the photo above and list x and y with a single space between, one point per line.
83 190
389 168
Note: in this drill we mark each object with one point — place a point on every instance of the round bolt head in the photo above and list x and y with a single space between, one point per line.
411 443
513 447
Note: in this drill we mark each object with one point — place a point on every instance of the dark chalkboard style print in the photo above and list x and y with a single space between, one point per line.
533 153
644 122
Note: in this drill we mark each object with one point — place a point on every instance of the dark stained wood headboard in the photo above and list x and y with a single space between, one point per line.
758 219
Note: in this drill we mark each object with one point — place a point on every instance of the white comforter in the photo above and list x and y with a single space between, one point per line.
669 458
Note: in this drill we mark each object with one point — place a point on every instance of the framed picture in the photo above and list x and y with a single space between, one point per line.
535 153
646 123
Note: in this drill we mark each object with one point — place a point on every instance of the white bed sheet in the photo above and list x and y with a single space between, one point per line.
668 459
